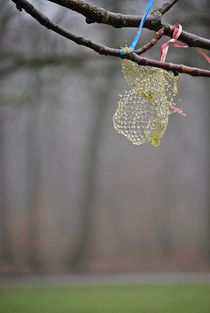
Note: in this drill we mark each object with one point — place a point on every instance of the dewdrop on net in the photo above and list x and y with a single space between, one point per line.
143 111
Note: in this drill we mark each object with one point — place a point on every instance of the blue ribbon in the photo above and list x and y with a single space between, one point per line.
123 55
139 31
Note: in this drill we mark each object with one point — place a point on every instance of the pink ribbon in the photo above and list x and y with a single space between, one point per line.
173 41
164 51
204 55
164 48
173 107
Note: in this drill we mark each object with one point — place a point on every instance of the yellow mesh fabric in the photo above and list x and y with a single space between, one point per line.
143 112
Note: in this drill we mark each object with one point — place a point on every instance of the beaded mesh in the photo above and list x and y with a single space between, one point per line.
143 112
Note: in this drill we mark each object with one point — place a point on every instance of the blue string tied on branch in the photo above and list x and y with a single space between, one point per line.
135 40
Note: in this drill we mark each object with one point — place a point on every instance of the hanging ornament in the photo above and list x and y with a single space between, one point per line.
143 112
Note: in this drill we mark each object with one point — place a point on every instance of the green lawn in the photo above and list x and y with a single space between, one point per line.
107 299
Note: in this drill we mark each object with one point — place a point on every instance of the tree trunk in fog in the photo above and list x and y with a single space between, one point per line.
208 181
5 242
166 208
33 196
6 253
208 155
34 192
81 253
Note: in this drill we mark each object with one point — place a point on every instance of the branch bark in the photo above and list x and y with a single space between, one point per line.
151 43
95 14
167 6
103 50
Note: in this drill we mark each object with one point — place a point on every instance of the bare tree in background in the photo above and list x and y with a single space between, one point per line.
205 21
6 255
34 183
80 255
10 65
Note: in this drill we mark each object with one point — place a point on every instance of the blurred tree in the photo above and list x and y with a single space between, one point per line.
6 254
29 61
82 250
30 65
205 21
34 182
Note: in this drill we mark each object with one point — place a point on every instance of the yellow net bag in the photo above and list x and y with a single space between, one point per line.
142 113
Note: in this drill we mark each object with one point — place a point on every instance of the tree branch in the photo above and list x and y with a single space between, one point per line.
167 6
180 68
101 49
151 43
23 63
95 14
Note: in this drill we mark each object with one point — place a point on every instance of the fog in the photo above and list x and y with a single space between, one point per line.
74 194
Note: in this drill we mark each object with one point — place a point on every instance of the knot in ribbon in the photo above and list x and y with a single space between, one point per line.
164 48
173 41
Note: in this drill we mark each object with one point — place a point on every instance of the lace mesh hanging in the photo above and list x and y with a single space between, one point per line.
142 113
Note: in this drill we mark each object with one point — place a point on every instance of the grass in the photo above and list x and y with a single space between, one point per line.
107 299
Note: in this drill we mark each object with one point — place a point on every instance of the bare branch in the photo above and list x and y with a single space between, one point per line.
151 43
167 6
180 68
44 20
95 14
190 39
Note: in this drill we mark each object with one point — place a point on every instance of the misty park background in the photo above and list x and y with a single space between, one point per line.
75 196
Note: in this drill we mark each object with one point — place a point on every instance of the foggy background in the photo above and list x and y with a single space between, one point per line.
74 194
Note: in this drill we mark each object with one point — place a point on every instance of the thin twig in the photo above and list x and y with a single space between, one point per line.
167 6
95 14
151 43
101 49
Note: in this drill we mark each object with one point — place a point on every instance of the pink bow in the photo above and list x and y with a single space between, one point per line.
164 51
164 48
173 41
